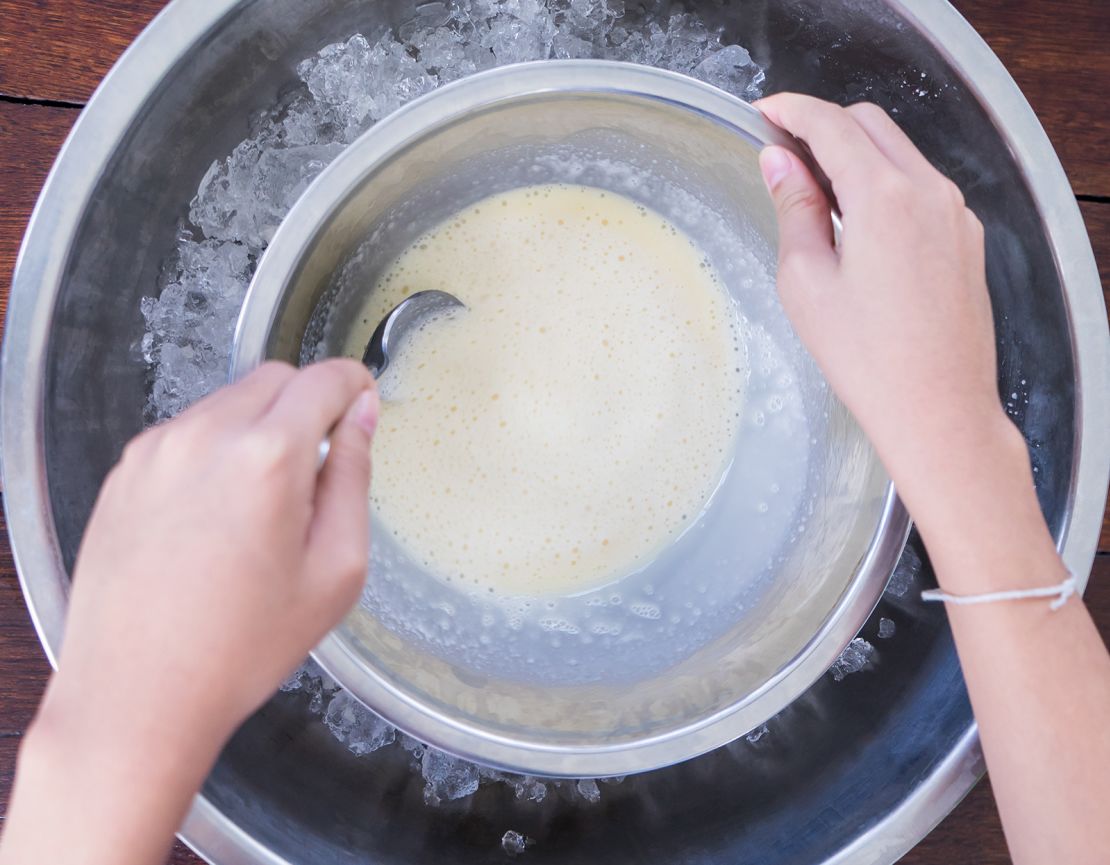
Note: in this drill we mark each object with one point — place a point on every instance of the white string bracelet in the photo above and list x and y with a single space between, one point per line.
1061 592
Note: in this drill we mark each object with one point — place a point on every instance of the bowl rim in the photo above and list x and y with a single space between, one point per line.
298 234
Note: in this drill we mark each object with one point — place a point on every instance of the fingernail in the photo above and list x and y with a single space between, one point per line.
365 411
775 163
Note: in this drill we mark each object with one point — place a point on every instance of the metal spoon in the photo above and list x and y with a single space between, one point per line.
411 313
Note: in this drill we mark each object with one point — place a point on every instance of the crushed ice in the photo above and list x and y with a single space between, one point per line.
757 734
357 727
513 843
446 778
857 656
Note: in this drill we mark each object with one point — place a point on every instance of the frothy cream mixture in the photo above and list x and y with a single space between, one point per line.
577 416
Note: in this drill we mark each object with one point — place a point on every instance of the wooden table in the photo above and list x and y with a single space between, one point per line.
54 52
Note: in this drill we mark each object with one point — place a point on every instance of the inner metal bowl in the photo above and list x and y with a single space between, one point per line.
747 608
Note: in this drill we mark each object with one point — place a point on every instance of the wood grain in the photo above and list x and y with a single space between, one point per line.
61 49
23 666
1097 217
30 137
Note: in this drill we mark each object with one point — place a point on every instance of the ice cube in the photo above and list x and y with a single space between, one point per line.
414 747
514 843
190 325
757 734
857 656
340 78
244 198
295 681
886 628
447 777
732 69
588 790
357 727
905 574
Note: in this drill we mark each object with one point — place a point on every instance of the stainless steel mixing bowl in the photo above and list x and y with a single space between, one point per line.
852 772
778 594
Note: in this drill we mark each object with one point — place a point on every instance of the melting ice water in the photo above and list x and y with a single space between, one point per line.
241 200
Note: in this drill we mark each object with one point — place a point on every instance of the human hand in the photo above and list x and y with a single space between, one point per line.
217 556
899 320
898 317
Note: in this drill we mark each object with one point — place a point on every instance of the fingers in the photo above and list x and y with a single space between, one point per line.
839 144
891 140
314 400
805 221
339 534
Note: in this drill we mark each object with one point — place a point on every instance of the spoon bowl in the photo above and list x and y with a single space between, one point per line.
410 314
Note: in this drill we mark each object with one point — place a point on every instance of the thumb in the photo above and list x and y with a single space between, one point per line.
339 540
805 222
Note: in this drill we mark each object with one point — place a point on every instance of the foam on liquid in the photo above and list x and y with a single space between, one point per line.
577 416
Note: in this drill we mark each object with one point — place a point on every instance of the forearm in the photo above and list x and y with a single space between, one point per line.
92 790
1039 679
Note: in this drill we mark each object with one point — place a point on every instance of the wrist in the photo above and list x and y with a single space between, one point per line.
119 799
976 508
952 472
94 729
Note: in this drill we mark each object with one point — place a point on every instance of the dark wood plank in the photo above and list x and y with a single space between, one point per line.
9 748
1057 53
1097 217
182 855
30 137
23 666
60 49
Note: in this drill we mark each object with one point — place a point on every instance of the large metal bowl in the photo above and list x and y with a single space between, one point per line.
672 686
855 771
